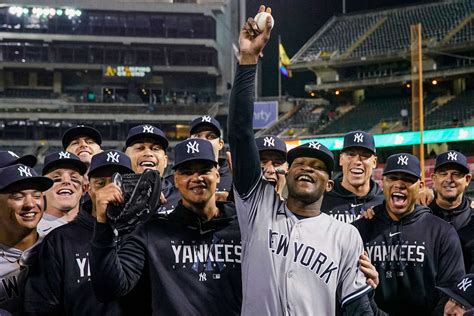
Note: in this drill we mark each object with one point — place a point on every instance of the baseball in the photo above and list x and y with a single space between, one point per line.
261 19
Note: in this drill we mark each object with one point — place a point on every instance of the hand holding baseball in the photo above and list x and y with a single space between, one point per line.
252 39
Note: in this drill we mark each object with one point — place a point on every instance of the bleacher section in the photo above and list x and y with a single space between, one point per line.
367 115
391 36
454 113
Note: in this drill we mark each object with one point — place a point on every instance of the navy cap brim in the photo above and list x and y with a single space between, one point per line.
312 153
40 183
162 141
455 296
79 165
193 159
27 160
402 171
210 125
115 167
453 163
75 132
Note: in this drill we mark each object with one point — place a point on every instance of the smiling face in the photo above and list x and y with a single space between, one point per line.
307 180
66 192
357 164
20 210
400 191
84 147
147 154
197 182
274 167
449 182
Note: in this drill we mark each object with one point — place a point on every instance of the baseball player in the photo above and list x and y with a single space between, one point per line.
272 153
208 128
413 250
355 191
146 146
60 282
83 141
451 178
191 256
461 297
8 158
63 198
295 259
21 208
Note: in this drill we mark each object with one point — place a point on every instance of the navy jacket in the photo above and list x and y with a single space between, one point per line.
412 256
345 206
193 265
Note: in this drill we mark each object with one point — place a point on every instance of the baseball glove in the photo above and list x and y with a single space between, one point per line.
141 194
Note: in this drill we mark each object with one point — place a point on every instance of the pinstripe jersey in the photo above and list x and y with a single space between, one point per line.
14 265
294 266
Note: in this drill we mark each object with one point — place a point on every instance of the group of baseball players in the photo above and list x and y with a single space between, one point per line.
267 232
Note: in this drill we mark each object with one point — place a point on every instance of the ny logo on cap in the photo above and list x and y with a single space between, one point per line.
64 155
13 154
24 171
113 156
315 145
192 147
452 156
358 137
206 118
269 142
148 129
465 284
402 161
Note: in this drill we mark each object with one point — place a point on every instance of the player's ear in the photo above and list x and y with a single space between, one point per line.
329 185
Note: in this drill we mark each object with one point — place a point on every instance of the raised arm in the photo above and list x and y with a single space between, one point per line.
245 158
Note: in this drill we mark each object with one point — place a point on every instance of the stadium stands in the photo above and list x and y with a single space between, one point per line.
353 32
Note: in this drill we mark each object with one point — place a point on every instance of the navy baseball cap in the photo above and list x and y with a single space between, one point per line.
8 158
112 159
146 131
313 149
270 142
63 159
462 292
22 174
452 157
404 163
192 150
81 130
205 120
359 139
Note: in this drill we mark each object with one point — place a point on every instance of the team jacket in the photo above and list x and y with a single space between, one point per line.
194 265
345 206
14 267
60 282
412 256
462 220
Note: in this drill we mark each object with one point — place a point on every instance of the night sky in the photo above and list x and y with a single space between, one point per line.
296 21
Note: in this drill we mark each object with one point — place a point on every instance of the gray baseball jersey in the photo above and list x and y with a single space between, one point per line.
14 265
49 222
294 266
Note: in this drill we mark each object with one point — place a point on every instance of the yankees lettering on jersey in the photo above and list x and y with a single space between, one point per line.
396 253
205 253
83 267
304 255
